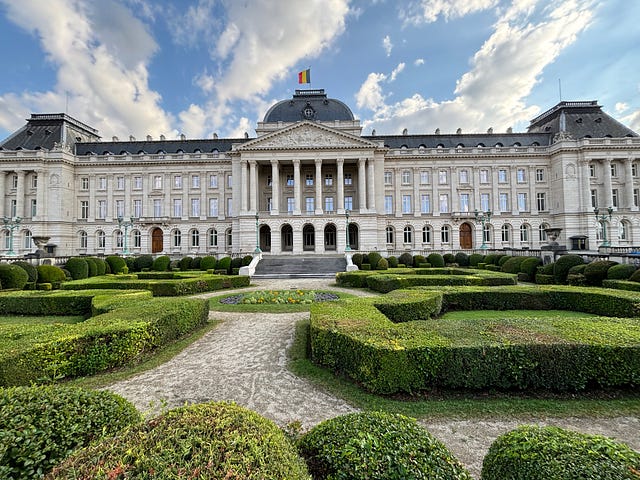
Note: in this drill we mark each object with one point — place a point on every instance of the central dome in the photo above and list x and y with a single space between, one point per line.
309 105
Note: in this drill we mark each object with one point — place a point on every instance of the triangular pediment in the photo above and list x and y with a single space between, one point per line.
306 135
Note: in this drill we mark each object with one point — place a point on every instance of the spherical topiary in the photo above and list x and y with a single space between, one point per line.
78 268
43 425
131 264
562 266
161 264
393 261
195 263
491 259
635 277
93 267
185 263
503 259
205 441
449 258
356 258
246 260
208 263
374 258
383 264
224 264
142 262
577 269
530 266
407 259
32 271
547 269
436 260
512 264
418 259
621 272
595 272
116 263
462 259
552 453
377 445
101 265
12 276
236 262
50 274
475 259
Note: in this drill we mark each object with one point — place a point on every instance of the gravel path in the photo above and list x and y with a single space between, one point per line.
244 360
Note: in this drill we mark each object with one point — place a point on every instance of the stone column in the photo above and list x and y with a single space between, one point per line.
585 193
362 186
533 201
628 184
397 194
20 194
297 188
243 186
3 180
318 210
275 187
417 210
253 186
455 195
435 197
340 180
513 179
606 201
371 183
93 205
495 191
39 195
128 207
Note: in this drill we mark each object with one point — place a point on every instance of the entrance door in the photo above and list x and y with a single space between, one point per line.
353 236
286 238
330 237
156 240
265 238
308 237
466 239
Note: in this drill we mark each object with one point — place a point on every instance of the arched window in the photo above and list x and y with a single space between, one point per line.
229 238
119 239
407 234
426 234
499 145
542 235
27 239
505 233
84 239
486 233
137 239
195 238
389 234
624 231
213 237
176 237
524 233
445 232
102 239
7 239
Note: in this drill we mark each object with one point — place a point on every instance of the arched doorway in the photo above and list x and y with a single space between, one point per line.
308 237
286 235
156 240
330 237
353 236
265 238
466 237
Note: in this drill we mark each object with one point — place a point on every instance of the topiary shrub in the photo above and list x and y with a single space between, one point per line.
365 258
374 258
393 261
563 264
577 269
50 274
131 264
78 268
499 258
418 259
208 263
547 269
93 267
224 264
552 453
512 264
462 259
475 259
595 272
576 279
529 266
377 445
449 258
635 277
12 276
621 272
491 259
43 425
436 260
161 264
406 258
236 263
356 258
205 441
383 264
116 263
32 271
185 264
101 265
246 260
503 259
142 262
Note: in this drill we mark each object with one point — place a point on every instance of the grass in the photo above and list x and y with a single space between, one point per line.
37 320
215 305
456 404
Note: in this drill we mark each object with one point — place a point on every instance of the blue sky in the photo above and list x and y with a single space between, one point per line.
151 67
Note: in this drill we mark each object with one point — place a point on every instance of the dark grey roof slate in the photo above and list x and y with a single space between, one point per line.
463 139
322 109
159 146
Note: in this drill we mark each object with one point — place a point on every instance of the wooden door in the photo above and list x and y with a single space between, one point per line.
466 239
156 240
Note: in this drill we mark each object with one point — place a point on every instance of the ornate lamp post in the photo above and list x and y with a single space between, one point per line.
126 224
257 250
482 217
11 224
602 218
348 247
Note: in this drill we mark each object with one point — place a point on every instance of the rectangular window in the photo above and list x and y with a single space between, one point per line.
388 204
157 182
102 209
84 209
290 204
14 208
119 183
614 170
14 181
636 197
406 177
522 202
229 181
213 181
541 200
308 180
289 180
269 204
269 181
539 174
504 202
195 207
157 208
634 169
464 176
442 177
34 184
348 203
177 207
388 178
229 208
406 204
592 170
464 202
484 176
348 179
485 202
177 181
84 183
119 208
328 204
328 179
521 176
213 207
309 204
424 177
195 181
425 203
614 197
594 198
137 183
137 208
102 183
502 176
444 203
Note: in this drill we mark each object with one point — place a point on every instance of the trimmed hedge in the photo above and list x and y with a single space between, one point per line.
78 268
116 263
142 262
41 426
462 259
358 278
357 258
12 277
224 264
595 272
371 445
374 258
383 264
208 263
204 441
563 264
621 285
31 270
621 272
512 265
185 263
529 266
436 260
161 264
475 259
438 277
101 265
406 258
93 267
393 261
552 453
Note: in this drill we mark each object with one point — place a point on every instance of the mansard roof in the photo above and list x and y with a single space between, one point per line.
463 140
158 147
309 105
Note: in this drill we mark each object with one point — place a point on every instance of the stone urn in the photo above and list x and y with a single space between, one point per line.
40 242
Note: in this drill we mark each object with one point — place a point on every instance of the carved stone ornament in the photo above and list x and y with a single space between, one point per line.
305 136
560 136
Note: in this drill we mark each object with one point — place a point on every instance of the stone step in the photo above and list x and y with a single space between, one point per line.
300 266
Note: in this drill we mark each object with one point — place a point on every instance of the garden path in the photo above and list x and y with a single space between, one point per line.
244 360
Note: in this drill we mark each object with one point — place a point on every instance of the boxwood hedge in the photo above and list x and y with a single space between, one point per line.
204 441
41 426
552 453
438 277
12 276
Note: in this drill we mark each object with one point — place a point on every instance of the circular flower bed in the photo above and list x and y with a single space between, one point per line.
279 297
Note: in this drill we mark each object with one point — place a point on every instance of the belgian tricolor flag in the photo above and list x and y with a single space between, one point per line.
304 76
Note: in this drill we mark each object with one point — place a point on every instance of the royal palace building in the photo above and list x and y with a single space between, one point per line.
309 181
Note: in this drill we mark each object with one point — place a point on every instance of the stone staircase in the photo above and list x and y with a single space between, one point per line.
300 266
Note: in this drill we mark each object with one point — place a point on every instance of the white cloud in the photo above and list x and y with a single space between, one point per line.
621 107
370 94
633 121
418 61
387 45
206 82
396 71
428 11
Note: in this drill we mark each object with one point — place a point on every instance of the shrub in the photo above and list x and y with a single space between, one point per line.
552 453
356 258
563 264
78 268
93 267
195 263
246 260
365 258
621 272
374 258
503 259
116 263
512 264
529 266
418 259
547 269
499 258
393 261
543 279
224 264
50 274
577 270
407 259
449 258
377 445
383 264
12 276
595 272
576 280
236 263
142 262
635 277
101 265
32 271
216 440
475 259
436 260
208 263
131 265
462 259
43 425
366 266
491 259
161 264
185 264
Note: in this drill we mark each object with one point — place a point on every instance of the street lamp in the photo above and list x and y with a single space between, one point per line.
348 247
126 224
482 217
11 224
257 250
602 218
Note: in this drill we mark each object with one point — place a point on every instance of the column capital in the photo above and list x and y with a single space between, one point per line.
340 161
274 161
296 161
318 161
